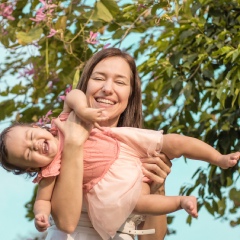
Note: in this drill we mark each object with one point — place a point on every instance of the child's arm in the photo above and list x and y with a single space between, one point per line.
42 205
175 146
76 101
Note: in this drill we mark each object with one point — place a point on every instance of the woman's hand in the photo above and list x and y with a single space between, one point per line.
74 130
156 169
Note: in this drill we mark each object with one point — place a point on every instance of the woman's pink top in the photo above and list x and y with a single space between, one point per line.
112 179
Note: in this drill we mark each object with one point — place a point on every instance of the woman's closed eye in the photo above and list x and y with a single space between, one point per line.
98 78
120 82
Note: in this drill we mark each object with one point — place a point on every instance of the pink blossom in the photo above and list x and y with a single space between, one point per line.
44 119
106 45
27 72
52 33
40 15
6 11
92 38
47 6
50 84
62 97
41 12
49 113
68 89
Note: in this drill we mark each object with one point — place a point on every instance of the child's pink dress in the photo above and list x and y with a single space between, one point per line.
112 173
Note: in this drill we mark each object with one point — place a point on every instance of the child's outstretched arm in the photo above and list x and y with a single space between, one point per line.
42 205
175 145
76 101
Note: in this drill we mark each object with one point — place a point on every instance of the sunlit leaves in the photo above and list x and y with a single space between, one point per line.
25 38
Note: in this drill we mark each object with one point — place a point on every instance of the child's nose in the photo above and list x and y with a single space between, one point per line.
35 146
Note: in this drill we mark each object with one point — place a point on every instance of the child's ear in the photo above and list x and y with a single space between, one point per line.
32 169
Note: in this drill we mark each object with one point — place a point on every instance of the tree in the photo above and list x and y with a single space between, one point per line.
190 71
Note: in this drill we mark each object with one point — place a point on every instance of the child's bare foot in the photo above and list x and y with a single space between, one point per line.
229 160
189 204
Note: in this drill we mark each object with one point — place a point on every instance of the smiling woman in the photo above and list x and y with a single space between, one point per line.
110 89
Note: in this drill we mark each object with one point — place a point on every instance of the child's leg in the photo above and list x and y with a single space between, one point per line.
154 204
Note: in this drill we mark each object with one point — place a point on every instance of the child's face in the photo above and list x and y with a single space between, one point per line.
30 147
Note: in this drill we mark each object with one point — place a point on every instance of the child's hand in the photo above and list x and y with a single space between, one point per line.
92 115
41 222
229 160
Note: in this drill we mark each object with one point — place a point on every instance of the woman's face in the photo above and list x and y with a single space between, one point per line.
109 87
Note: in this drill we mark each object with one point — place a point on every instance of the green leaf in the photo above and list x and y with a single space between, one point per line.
75 79
61 23
111 6
25 38
102 13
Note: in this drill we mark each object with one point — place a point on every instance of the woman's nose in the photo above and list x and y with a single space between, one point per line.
107 87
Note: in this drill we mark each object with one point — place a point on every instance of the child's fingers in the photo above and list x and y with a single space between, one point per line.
59 124
101 119
96 125
41 227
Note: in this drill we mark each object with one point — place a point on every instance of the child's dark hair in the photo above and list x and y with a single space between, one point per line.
4 162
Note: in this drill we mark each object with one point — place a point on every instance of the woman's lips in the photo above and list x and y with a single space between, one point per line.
105 101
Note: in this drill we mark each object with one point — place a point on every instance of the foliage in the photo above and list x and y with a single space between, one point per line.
188 56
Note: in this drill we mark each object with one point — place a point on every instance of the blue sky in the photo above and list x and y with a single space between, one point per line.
15 191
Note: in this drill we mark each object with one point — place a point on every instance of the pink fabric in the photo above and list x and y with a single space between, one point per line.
112 179
114 197
100 151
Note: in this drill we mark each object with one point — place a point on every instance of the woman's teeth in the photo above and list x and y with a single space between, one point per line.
102 100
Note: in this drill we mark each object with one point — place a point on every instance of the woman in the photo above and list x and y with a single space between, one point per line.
109 80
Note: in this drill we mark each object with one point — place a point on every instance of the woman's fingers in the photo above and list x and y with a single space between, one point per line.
164 158
156 169
159 179
157 166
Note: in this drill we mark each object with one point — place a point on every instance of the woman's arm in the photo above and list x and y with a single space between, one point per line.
67 195
156 169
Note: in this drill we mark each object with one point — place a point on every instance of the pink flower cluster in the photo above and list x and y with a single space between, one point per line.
28 71
68 89
43 12
6 11
45 119
92 38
